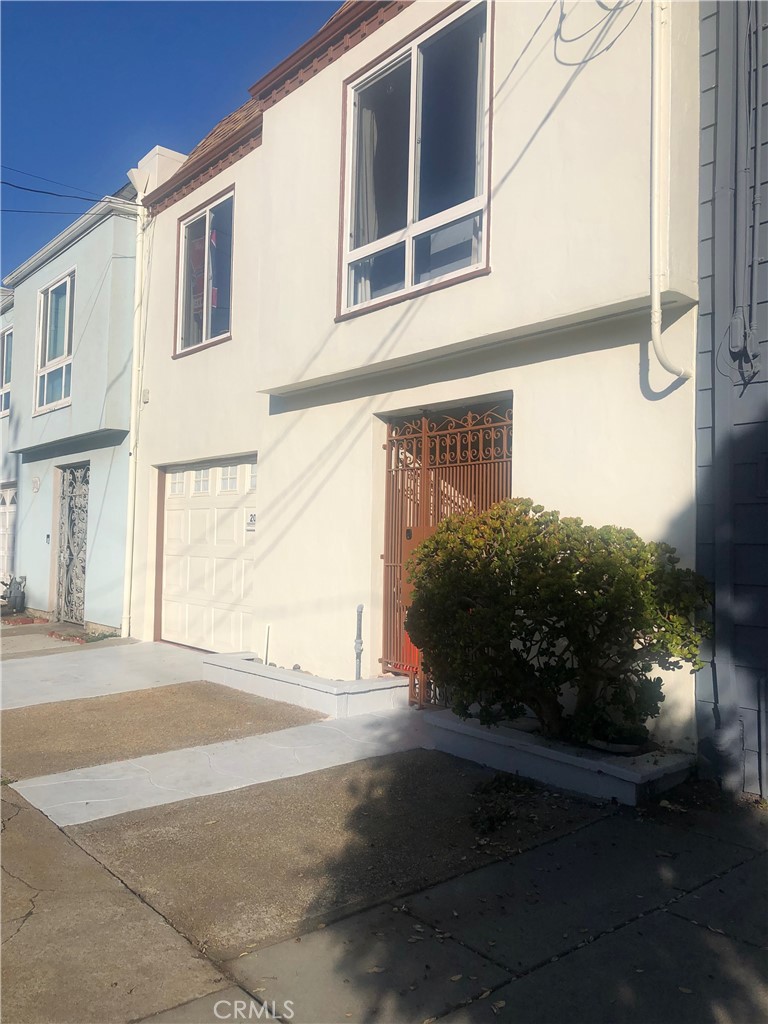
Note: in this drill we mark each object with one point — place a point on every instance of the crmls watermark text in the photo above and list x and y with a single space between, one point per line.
250 1009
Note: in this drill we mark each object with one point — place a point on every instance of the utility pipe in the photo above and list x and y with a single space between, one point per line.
138 294
359 643
754 351
657 21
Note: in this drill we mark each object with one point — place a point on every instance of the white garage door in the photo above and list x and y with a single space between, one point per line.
208 568
7 529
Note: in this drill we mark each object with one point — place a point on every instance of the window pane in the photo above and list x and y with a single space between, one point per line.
7 357
447 249
177 482
201 481
377 275
451 120
219 269
55 380
41 391
57 321
194 284
5 401
228 478
67 380
381 171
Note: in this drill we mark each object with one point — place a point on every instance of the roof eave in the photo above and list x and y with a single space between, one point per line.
194 167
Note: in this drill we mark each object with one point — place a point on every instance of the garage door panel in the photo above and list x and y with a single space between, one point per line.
174 622
228 577
209 576
174 574
226 525
199 526
200 579
175 526
199 621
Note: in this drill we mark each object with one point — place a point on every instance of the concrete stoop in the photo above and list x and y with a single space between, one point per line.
335 698
590 772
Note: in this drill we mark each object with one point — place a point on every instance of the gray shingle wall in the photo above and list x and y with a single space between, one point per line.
731 427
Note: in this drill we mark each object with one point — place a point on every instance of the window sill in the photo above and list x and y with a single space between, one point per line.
201 347
412 293
52 407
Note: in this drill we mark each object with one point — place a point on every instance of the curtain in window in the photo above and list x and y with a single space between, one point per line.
366 218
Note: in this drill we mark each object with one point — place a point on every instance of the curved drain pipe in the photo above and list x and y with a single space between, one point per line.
657 22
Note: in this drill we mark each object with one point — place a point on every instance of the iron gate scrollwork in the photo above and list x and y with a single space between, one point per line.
438 463
73 525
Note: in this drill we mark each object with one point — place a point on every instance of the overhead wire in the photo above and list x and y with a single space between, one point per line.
51 181
62 195
53 213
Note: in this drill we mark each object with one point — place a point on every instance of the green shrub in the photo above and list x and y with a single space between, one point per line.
514 607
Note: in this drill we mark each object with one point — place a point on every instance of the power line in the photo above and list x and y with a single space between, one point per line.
60 195
51 181
61 213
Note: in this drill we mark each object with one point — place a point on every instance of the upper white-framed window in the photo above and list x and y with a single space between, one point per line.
416 204
177 483
227 479
54 346
6 363
205 293
201 484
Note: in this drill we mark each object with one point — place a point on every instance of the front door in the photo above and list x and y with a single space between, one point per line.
437 464
73 529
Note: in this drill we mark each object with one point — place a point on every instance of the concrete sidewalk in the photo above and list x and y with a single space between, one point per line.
623 921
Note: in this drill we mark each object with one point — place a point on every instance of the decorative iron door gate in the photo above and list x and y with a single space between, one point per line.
73 524
437 464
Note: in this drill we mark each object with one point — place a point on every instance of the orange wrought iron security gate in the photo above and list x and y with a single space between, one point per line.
437 464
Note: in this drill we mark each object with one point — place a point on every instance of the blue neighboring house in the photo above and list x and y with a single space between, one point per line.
732 390
68 325
8 462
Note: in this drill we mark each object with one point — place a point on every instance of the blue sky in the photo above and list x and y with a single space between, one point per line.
89 87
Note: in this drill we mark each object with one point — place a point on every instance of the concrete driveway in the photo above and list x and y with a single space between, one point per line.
359 878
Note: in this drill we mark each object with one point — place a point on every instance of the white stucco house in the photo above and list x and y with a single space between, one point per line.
445 253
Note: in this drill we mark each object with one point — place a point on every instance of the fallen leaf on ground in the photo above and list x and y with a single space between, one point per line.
376 970
457 977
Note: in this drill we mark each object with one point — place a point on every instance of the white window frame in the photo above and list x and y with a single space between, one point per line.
5 385
253 469
45 369
414 228
177 476
228 478
201 476
199 214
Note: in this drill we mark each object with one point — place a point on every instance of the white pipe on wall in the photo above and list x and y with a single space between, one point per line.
138 294
658 8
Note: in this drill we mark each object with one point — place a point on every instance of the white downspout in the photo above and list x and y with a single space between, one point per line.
138 295
657 21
